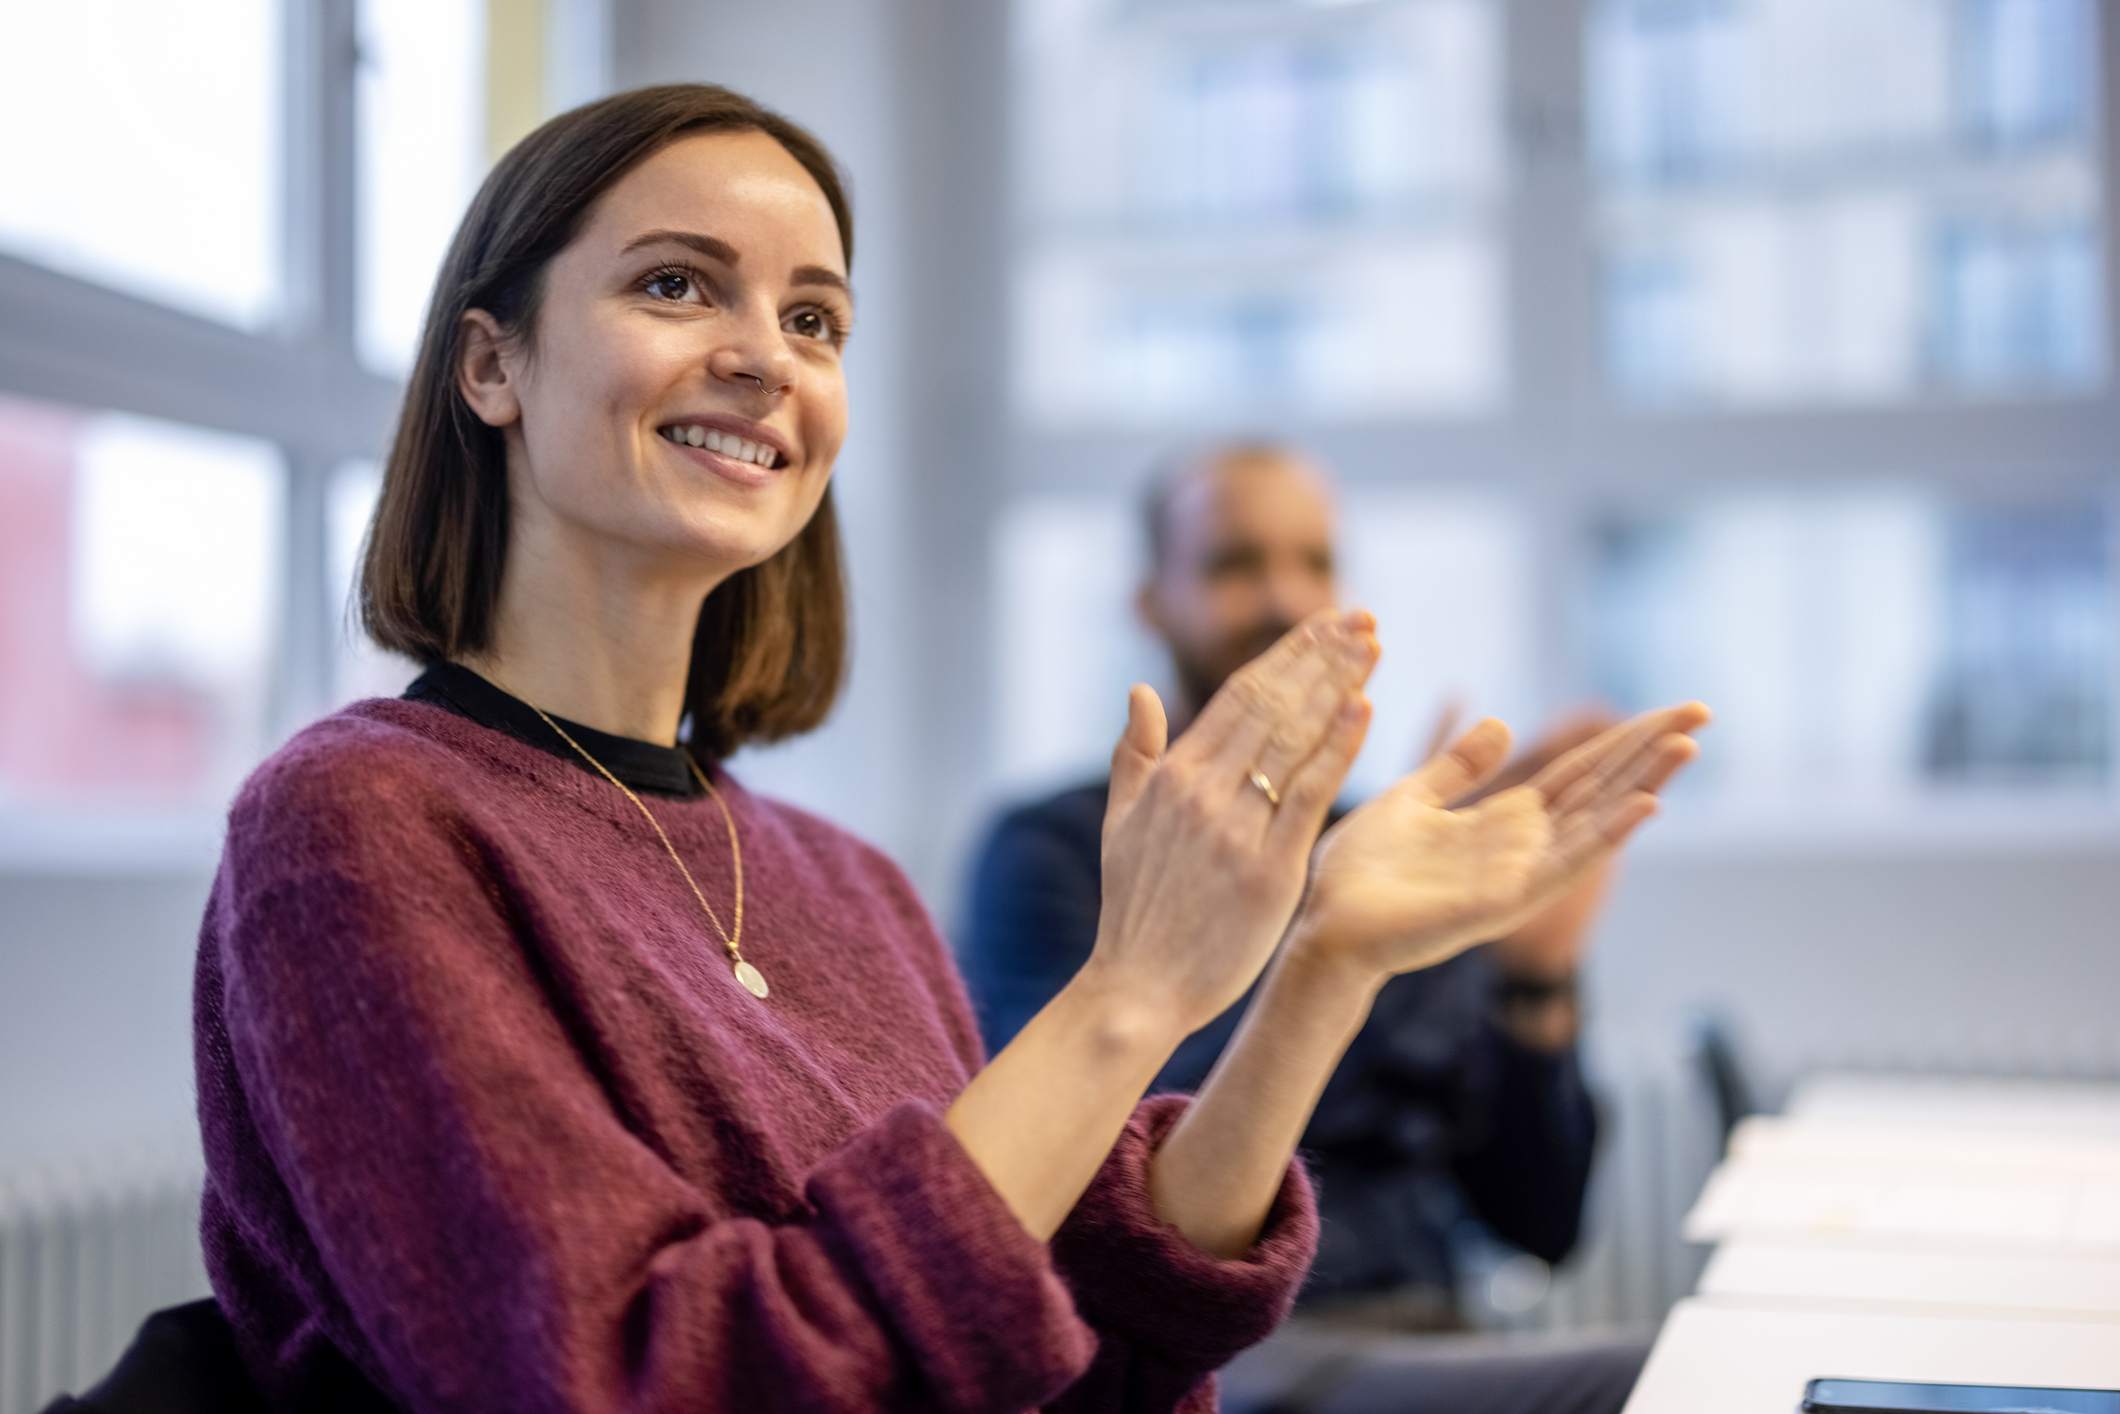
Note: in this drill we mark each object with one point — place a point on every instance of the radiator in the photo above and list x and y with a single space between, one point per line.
85 1255
1660 1137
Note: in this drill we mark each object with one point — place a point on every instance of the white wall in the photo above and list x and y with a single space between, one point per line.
95 1013
1983 957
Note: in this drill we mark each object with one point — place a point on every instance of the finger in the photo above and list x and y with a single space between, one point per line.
1564 779
1306 727
1140 748
1672 755
1649 767
1580 773
1469 762
1582 842
1272 693
1310 792
1627 816
1446 725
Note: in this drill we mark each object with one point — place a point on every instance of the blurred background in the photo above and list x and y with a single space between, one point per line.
1754 350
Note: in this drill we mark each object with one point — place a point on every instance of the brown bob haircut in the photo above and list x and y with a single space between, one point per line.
770 652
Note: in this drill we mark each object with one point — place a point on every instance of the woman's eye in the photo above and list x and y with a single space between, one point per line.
668 284
813 324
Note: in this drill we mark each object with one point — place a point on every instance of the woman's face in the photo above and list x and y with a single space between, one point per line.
684 395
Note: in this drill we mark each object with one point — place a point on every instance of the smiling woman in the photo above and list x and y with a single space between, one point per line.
639 325
500 1109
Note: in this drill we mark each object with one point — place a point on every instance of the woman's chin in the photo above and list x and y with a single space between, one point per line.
728 543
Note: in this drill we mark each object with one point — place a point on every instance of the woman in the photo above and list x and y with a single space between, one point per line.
542 1066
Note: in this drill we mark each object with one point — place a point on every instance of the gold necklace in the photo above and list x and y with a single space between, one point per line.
752 979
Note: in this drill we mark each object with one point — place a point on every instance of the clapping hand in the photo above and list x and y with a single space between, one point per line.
1406 881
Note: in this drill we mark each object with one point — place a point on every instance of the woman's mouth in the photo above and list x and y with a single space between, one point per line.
737 458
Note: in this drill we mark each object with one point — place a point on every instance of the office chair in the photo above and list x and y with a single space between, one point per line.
183 1361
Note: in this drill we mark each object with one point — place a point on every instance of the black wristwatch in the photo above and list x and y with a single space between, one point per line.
1512 993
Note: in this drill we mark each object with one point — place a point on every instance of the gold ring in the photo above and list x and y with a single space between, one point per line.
1264 786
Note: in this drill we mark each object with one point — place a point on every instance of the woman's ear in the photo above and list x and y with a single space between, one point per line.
482 372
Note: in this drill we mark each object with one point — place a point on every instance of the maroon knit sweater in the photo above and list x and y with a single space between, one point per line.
490 1126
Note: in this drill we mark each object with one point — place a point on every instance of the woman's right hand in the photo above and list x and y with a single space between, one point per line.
1201 869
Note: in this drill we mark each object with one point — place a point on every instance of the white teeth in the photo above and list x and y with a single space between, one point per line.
727 443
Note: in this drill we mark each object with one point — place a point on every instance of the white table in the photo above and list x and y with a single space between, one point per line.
1719 1358
1757 1272
1979 1189
1811 1139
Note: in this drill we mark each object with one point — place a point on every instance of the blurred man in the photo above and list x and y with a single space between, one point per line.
1462 1097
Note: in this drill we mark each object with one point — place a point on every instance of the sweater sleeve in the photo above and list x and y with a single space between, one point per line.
492 1236
1165 1313
1169 1313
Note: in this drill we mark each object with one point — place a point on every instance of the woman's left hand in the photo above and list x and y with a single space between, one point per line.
1404 882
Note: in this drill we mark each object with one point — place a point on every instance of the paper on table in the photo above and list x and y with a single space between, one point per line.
1956 1149
2022 1208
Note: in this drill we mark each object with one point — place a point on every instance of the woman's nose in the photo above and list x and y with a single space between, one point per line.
758 359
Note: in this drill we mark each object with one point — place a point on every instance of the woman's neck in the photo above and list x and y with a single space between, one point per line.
595 639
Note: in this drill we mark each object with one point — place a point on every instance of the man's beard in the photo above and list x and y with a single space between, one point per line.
1200 678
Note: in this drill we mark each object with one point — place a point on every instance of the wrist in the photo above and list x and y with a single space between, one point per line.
1324 980
1121 1015
1540 1010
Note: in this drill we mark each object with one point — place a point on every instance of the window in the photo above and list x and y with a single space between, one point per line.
422 137
139 565
1903 647
1269 208
155 165
1753 350
1800 200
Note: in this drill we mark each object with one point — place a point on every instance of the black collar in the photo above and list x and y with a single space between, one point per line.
642 765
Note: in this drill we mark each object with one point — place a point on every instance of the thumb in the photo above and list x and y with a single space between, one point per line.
1140 748
1469 763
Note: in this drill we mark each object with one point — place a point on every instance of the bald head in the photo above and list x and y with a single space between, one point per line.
1183 490
1240 540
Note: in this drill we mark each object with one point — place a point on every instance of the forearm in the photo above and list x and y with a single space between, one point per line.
1215 1177
1041 1117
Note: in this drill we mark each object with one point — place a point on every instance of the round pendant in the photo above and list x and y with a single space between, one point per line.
753 980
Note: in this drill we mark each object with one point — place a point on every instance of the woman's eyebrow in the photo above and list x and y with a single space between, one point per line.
713 247
819 275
